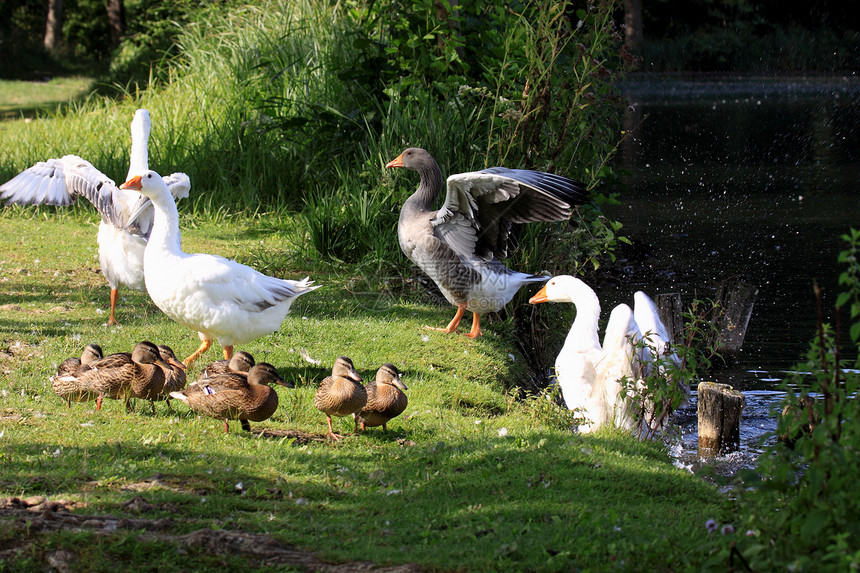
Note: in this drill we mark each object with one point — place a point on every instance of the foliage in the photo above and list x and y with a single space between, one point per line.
150 41
801 503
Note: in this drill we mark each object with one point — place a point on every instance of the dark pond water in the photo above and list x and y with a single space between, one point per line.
752 178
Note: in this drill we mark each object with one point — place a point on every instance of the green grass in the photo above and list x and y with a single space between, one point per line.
19 98
443 488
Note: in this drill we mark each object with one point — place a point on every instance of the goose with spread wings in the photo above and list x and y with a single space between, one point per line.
590 375
126 216
459 245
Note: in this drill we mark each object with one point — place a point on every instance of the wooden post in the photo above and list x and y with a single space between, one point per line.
669 310
719 411
736 300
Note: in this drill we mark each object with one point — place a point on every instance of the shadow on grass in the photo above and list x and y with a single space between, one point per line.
556 502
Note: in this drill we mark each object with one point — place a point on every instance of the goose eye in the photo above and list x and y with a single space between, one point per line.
149 175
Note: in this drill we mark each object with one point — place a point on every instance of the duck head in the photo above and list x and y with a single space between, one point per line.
388 374
343 367
265 373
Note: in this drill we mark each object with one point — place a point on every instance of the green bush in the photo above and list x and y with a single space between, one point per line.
801 504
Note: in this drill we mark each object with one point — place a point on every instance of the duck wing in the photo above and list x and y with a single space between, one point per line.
482 207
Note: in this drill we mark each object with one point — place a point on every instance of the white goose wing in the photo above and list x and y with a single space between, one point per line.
621 358
224 280
481 207
652 328
60 182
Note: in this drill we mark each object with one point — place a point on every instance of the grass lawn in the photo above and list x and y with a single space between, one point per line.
24 98
468 478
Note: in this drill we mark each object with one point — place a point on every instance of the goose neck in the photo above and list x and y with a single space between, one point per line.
430 185
165 225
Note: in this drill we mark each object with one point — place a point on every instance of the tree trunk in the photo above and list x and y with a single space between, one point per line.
54 25
116 19
633 24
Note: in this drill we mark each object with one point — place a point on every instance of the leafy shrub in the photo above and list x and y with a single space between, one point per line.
802 502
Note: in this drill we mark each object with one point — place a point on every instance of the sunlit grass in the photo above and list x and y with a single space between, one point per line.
469 477
25 97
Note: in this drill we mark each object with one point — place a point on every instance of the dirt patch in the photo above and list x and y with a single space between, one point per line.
32 517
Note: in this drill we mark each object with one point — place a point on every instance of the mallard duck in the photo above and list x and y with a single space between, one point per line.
340 394
385 399
458 244
219 298
589 374
65 381
123 376
126 215
174 375
236 395
241 361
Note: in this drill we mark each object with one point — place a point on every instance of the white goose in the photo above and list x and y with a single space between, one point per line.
126 215
458 245
589 373
221 299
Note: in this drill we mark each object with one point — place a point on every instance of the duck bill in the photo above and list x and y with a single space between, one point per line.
133 183
399 383
396 162
354 375
176 363
539 297
164 364
283 382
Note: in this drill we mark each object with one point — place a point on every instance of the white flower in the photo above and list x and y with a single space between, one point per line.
503 432
711 525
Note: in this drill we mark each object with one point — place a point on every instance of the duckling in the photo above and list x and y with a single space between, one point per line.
65 381
174 375
236 395
125 376
385 399
340 394
240 362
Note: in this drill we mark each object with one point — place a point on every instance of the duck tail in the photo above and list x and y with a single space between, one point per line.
179 396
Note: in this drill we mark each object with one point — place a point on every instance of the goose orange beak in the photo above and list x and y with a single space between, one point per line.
133 183
539 297
396 162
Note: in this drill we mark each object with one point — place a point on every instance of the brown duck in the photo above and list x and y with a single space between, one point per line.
123 376
240 362
340 394
174 374
236 395
385 399
65 381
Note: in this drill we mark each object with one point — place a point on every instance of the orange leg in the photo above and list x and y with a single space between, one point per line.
114 296
98 403
331 433
455 322
226 426
476 327
204 346
228 352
